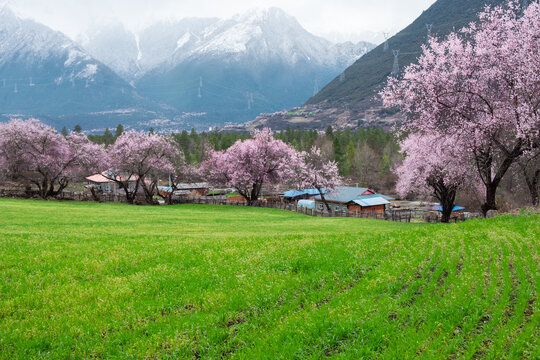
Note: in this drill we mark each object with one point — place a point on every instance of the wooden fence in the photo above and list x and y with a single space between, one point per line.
398 215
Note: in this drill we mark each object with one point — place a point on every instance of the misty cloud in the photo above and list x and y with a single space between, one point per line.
337 18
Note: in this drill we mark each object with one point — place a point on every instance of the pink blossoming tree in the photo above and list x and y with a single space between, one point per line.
35 153
138 160
433 165
316 172
482 87
249 165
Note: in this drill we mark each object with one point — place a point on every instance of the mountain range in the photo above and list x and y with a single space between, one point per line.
194 72
43 72
350 99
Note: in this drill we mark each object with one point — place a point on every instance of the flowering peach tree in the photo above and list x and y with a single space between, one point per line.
481 87
37 154
249 165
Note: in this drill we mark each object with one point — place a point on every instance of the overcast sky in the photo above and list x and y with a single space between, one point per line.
340 19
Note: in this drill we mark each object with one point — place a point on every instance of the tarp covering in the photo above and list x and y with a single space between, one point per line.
308 204
371 201
456 208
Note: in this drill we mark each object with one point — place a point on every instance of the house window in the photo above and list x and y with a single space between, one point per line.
321 206
337 207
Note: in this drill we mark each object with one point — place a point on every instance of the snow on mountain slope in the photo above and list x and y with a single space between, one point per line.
259 35
42 71
133 54
112 44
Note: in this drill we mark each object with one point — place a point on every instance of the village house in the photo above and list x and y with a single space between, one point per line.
105 185
193 190
296 195
353 199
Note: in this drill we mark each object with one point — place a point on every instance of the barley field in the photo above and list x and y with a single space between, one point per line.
112 281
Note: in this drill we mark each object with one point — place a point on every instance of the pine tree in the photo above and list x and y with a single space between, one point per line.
119 130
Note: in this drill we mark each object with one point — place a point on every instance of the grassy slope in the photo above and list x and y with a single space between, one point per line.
366 77
115 281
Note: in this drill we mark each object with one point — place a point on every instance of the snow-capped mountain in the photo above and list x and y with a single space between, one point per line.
24 41
220 70
231 69
43 72
260 35
131 54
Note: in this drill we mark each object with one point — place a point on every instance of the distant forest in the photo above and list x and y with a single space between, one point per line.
365 157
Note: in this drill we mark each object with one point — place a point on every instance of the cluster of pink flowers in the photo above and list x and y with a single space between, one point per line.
38 154
477 91
249 165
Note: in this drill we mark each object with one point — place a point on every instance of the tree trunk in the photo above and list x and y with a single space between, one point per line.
130 197
446 196
149 193
484 163
491 203
95 195
532 184
447 207
255 192
62 184
324 200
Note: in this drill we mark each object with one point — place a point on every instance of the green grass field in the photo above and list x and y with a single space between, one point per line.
112 281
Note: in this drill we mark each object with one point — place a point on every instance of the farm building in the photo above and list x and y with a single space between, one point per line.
353 199
103 184
186 190
295 195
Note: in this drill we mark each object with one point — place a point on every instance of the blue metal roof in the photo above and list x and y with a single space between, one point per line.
344 194
347 194
371 201
296 193
376 196
456 208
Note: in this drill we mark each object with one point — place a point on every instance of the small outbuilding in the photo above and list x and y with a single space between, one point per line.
353 199
295 195
104 184
369 203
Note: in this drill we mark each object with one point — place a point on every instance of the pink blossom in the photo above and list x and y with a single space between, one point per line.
37 154
249 165
480 87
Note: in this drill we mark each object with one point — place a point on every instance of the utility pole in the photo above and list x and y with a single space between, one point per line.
249 98
386 37
429 27
395 70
